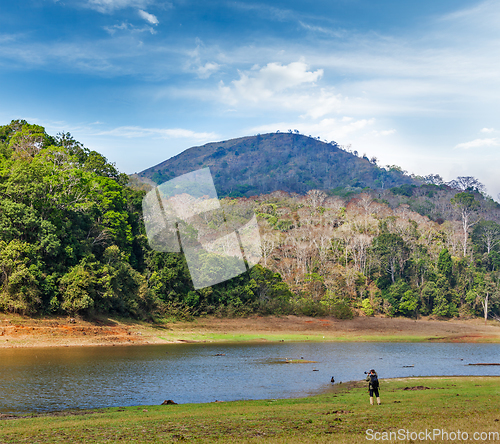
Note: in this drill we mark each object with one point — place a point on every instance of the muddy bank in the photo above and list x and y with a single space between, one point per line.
18 331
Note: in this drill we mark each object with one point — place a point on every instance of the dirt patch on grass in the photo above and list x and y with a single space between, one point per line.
418 387
19 331
51 414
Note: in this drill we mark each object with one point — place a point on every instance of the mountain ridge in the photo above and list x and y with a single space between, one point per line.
291 162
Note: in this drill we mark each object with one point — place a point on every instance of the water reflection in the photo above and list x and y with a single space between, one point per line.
88 377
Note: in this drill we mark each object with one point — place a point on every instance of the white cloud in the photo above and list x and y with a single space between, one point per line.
477 143
488 130
204 72
197 61
385 132
112 29
148 17
337 129
7 38
339 33
283 88
163 133
485 13
261 85
109 6
322 103
264 10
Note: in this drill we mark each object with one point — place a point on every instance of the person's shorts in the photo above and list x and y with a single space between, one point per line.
372 391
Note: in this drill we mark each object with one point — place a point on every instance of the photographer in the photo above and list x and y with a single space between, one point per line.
373 385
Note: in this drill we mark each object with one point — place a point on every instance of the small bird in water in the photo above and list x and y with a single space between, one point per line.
333 380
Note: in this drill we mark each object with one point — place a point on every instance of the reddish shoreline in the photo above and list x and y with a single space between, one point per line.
18 331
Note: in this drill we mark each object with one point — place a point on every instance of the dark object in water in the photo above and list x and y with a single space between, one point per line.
408 366
168 402
332 380
220 354
486 363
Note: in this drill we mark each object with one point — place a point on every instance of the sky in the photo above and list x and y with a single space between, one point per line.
415 84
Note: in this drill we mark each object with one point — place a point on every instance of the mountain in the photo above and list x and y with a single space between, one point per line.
289 162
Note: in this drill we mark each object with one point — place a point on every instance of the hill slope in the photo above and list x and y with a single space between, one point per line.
278 161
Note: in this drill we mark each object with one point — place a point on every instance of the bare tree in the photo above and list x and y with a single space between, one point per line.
467 183
267 245
365 201
452 238
316 197
433 179
490 237
467 206
360 245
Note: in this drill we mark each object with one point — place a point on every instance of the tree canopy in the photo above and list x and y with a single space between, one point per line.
72 238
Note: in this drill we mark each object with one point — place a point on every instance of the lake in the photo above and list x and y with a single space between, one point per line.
49 379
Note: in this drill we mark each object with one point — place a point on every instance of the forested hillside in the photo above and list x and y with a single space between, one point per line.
290 162
364 254
72 241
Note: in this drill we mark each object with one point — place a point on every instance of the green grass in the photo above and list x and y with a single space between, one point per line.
300 337
469 404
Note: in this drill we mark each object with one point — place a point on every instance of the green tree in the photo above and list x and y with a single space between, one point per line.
27 139
367 307
409 303
20 277
444 303
393 254
428 295
445 264
78 289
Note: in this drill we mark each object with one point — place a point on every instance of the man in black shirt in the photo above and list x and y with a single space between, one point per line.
372 380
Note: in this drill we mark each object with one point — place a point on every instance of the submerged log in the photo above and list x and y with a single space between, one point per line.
486 363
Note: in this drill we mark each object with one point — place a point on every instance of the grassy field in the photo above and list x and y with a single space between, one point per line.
409 405
305 337
299 329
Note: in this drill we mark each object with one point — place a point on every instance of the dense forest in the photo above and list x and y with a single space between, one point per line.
72 241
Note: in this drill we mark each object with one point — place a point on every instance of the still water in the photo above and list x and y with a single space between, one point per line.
88 377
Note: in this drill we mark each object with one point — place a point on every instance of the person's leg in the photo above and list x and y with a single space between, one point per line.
378 396
371 396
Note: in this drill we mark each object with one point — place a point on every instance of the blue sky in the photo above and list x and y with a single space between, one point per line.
415 84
